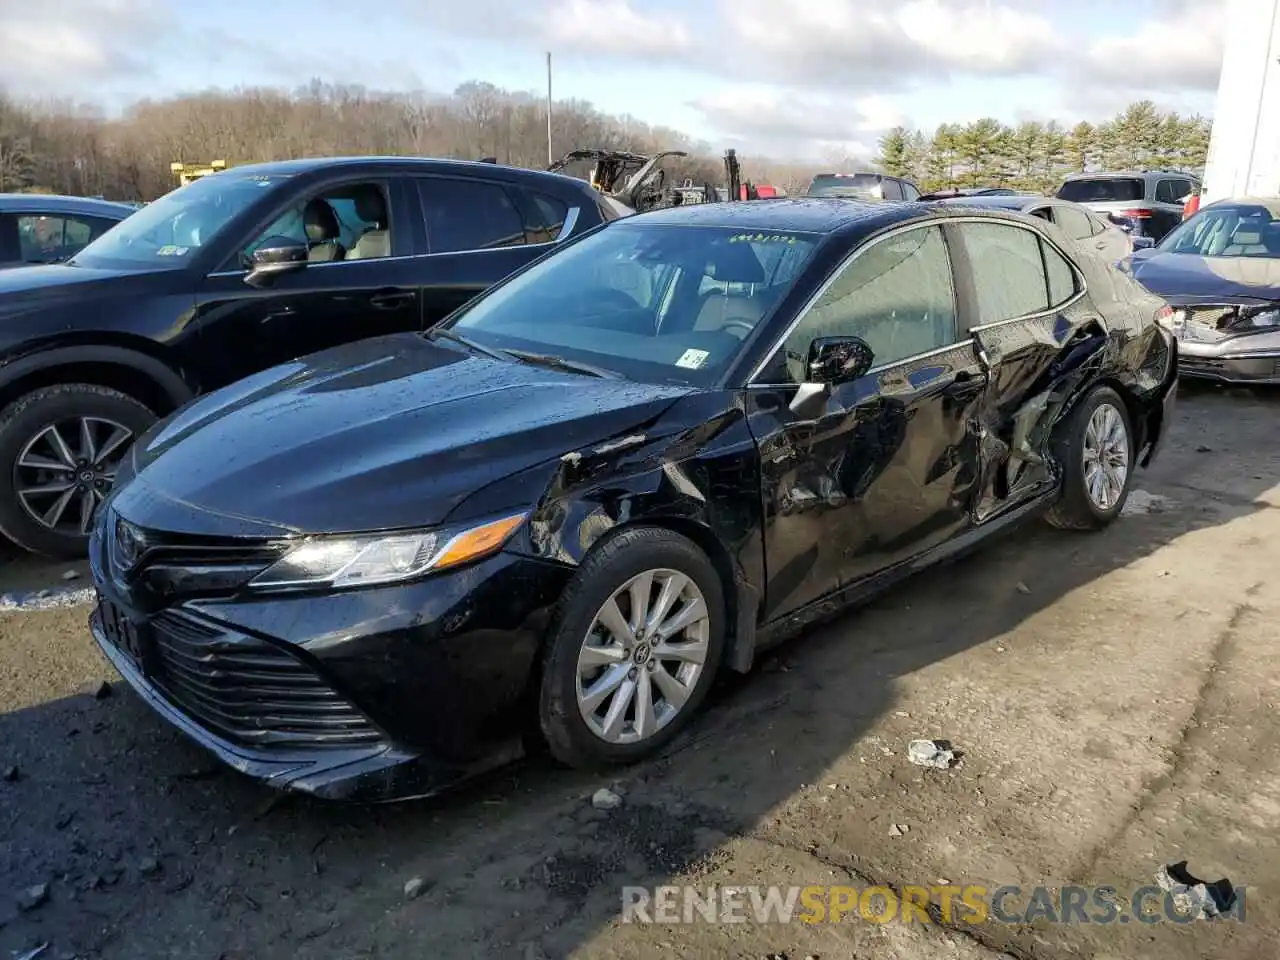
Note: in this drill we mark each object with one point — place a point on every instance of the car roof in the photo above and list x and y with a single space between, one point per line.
1272 204
54 203
420 164
1000 201
1132 175
802 214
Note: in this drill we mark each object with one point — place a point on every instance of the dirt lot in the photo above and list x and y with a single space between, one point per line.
1115 697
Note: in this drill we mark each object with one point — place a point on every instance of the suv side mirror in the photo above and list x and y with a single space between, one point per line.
276 256
836 360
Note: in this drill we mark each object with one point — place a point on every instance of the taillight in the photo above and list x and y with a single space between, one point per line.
1137 214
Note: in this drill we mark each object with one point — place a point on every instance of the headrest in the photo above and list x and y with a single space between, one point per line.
1246 238
370 206
735 263
320 222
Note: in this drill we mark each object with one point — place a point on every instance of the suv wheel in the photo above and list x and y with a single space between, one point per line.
59 449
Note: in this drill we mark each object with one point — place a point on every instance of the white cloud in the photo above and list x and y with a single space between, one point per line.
613 28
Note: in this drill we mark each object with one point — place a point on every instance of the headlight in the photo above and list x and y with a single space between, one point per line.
384 557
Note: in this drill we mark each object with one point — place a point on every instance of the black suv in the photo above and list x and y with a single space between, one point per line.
234 273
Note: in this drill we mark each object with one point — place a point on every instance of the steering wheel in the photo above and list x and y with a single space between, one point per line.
746 328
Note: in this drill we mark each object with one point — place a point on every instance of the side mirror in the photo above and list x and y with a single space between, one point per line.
835 360
276 256
831 361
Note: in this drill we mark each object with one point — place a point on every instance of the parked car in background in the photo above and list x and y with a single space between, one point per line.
1220 271
232 274
649 455
862 186
1149 203
1098 235
38 228
954 192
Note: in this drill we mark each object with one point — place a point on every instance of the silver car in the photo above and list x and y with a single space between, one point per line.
1096 234
1220 272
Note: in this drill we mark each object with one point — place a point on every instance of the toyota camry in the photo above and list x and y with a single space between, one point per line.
640 461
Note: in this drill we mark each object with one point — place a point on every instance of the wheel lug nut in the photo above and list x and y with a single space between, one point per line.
652 665
631 674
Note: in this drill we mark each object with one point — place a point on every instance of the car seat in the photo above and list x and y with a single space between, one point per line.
322 229
375 241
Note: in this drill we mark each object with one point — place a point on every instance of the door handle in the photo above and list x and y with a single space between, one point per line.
390 301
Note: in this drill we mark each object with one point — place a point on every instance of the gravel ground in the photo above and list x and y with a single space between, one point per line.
1114 697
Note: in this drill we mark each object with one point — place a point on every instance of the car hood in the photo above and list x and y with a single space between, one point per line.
1182 278
385 433
26 286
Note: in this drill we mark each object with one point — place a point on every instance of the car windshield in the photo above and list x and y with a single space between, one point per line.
1232 231
171 230
862 186
659 303
1102 190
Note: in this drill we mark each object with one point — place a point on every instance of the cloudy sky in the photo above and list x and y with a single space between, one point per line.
785 78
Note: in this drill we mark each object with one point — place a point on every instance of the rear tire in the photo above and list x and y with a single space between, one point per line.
1095 449
59 447
610 695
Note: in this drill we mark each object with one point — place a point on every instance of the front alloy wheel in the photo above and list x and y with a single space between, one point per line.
633 649
642 656
66 469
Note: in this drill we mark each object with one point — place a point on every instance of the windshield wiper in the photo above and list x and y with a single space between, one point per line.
468 343
561 363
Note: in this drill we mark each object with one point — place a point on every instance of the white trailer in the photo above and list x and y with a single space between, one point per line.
1244 149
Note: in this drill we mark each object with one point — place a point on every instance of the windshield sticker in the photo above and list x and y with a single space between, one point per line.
170 250
692 359
762 238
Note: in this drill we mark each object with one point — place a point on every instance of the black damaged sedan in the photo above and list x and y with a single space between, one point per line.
370 572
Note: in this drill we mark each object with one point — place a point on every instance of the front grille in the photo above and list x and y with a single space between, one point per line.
251 692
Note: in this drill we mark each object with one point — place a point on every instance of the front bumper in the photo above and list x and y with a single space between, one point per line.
1262 367
366 695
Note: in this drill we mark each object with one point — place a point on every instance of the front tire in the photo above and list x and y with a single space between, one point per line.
1096 451
59 449
634 649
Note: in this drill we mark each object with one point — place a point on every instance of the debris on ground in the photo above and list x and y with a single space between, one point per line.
1141 502
32 953
148 866
1194 897
605 799
414 888
12 774
1023 588
34 896
898 829
931 753
70 575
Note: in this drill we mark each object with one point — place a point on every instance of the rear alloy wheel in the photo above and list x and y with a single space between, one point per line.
59 450
1095 448
635 651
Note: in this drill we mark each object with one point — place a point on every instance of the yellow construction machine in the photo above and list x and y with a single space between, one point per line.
188 172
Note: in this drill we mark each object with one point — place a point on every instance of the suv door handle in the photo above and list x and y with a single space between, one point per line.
390 301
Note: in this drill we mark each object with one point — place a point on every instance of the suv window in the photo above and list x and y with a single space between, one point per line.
1167 191
1102 190
1008 273
892 189
896 294
43 238
1074 223
909 192
1062 279
350 222
544 216
467 215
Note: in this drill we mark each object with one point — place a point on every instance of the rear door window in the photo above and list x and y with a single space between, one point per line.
44 238
464 215
892 189
1102 190
544 216
1008 271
